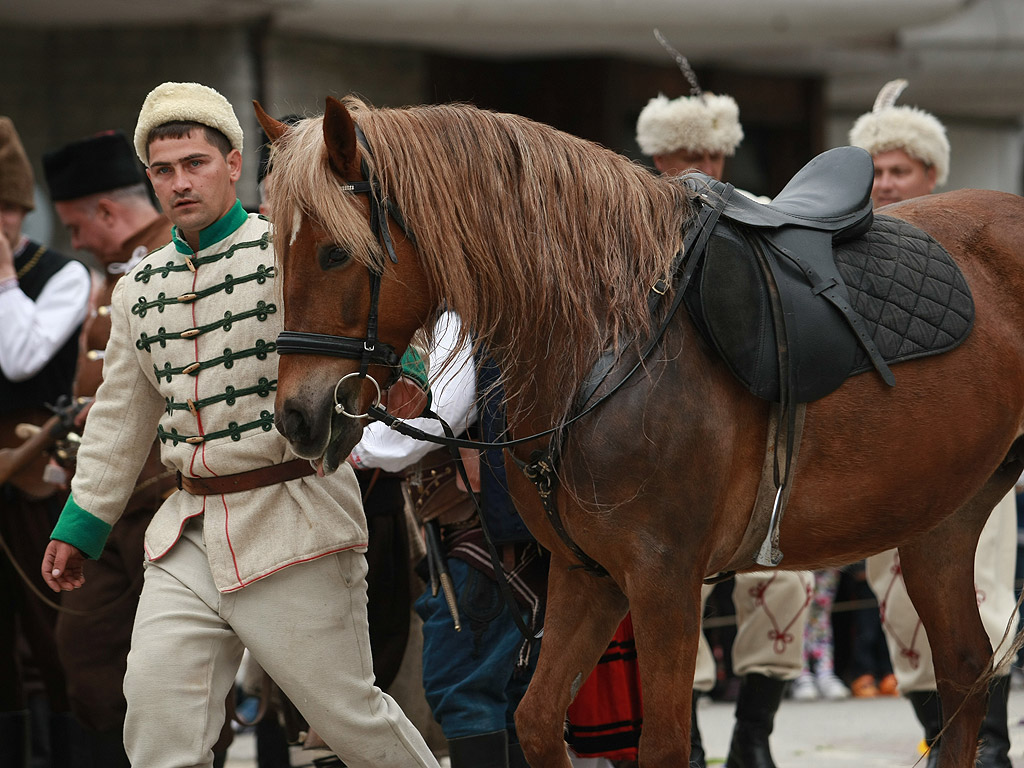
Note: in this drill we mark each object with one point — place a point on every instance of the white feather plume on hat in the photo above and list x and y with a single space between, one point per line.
170 102
704 123
916 132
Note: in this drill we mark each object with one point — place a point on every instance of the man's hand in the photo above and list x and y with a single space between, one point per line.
62 566
405 399
80 416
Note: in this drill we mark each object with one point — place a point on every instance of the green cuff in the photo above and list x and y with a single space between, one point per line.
414 367
81 529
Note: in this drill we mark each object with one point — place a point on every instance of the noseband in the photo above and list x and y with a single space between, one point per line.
369 350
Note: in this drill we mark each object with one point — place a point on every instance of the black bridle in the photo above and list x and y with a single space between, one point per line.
369 350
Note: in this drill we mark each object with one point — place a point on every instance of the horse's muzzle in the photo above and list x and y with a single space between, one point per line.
308 437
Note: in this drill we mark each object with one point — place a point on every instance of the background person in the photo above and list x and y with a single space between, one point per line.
818 678
911 156
869 667
475 677
43 300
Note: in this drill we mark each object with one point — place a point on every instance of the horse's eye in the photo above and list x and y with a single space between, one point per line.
332 255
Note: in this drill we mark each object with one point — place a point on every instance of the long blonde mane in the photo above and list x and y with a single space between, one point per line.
545 244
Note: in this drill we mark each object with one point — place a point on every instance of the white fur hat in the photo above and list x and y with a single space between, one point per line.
916 132
702 123
197 103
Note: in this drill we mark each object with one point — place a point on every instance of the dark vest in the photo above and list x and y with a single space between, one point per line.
503 521
56 377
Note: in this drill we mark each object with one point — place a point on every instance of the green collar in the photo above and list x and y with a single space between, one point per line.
214 233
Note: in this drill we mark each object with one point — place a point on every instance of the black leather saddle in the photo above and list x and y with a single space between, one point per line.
768 292
832 194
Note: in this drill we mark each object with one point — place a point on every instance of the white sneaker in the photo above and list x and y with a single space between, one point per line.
804 689
832 688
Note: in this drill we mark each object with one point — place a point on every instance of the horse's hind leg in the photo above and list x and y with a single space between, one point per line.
582 613
938 569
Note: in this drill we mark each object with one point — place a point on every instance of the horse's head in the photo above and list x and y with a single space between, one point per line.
353 291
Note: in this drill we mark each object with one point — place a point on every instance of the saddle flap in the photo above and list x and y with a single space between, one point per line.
733 308
736 308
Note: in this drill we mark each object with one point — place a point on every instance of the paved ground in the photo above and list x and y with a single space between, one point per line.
856 733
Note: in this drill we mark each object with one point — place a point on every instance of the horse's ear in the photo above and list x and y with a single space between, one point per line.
273 128
340 137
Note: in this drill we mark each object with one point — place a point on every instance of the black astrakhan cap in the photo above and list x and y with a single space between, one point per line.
97 164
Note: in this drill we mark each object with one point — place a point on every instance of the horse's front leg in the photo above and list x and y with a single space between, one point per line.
582 613
666 623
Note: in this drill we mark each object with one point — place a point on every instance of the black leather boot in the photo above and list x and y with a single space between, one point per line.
994 750
15 739
696 745
929 714
484 750
756 705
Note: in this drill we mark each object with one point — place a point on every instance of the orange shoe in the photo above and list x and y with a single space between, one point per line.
887 686
864 687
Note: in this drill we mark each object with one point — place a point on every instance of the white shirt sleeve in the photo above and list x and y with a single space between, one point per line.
31 332
453 391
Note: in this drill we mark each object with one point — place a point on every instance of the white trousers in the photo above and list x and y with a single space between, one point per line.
994 567
771 611
305 625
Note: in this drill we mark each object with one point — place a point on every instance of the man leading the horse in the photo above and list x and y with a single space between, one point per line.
191 356
911 156
102 198
700 131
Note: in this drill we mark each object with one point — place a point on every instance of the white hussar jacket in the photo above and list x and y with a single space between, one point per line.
192 357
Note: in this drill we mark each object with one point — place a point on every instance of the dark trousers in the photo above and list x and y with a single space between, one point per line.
472 678
388 589
25 525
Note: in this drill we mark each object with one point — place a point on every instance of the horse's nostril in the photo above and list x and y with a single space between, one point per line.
292 424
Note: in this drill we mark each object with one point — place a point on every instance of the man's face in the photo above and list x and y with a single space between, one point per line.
193 181
91 228
673 163
898 176
11 217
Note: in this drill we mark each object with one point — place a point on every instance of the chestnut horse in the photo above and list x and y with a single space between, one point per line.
546 246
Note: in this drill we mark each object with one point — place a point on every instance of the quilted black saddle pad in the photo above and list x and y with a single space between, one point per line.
901 286
907 289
